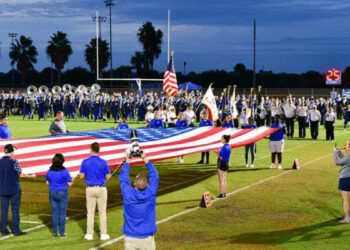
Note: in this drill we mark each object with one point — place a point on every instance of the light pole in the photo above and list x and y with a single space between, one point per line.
13 36
110 4
100 19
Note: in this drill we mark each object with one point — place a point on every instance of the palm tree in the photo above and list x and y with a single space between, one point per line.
24 53
59 50
151 41
103 53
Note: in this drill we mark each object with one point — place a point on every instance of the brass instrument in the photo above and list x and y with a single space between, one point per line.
81 89
31 90
43 90
73 90
88 91
56 90
95 88
66 88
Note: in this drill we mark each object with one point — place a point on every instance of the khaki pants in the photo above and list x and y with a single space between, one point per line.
96 195
139 244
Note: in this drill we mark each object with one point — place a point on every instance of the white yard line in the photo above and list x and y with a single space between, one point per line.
31 222
215 200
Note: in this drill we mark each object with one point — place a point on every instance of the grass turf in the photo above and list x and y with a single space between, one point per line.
295 211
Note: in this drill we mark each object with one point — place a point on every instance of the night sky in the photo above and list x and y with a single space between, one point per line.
292 35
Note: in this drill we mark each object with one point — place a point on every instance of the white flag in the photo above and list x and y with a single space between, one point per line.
209 101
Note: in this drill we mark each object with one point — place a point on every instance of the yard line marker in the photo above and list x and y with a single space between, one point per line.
30 222
215 200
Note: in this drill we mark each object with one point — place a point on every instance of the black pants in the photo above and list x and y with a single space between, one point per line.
260 122
329 130
206 154
302 125
314 129
290 126
236 123
339 113
251 148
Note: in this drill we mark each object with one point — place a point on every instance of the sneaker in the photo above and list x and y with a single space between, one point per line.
178 161
272 165
89 237
181 160
247 165
221 196
252 166
20 233
279 166
344 221
6 233
56 235
200 162
63 235
105 237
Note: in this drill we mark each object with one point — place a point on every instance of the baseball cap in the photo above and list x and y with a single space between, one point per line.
9 148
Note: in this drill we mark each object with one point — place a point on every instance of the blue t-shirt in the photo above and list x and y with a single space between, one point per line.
5 132
156 123
181 124
249 126
123 126
278 135
228 125
58 180
225 153
206 123
95 170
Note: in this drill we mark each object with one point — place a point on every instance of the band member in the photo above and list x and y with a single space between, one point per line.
27 108
346 117
123 124
223 164
250 147
205 122
315 117
228 122
276 144
289 112
41 108
97 109
302 116
5 132
149 115
71 108
171 117
344 178
330 120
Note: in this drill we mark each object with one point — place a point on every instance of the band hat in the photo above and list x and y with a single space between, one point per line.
150 107
9 148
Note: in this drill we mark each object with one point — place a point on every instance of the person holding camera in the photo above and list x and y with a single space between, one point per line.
58 178
10 190
223 164
95 170
344 178
139 206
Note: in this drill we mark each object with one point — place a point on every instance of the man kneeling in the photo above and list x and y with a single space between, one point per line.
139 205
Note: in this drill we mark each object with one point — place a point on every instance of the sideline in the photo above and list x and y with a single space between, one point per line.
215 200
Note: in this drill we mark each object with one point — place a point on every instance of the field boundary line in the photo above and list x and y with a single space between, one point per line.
215 200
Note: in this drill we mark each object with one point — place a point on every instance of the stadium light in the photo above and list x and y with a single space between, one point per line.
99 19
110 4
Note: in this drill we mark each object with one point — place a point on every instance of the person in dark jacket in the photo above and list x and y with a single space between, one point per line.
139 205
10 190
58 178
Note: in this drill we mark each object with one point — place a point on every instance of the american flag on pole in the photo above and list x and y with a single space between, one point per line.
169 79
35 154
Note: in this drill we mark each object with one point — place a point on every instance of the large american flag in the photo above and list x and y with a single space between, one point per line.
169 79
35 154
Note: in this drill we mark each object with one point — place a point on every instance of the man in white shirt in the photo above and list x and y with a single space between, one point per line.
289 112
315 117
330 120
189 116
149 115
302 116
171 117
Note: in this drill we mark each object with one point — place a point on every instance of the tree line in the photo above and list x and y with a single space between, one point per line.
23 55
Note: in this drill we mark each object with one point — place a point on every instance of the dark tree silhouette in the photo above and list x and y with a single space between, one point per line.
59 50
23 53
239 68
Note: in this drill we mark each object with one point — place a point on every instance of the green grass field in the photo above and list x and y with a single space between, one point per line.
291 210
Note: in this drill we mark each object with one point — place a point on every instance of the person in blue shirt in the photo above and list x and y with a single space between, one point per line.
95 170
58 178
205 122
346 117
156 122
139 206
10 190
41 108
181 123
277 143
223 164
5 132
228 122
122 124
250 147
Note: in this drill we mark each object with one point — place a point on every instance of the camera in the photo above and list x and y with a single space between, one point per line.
134 148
